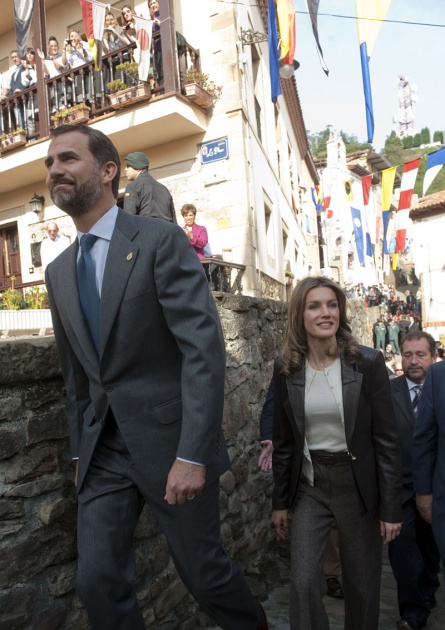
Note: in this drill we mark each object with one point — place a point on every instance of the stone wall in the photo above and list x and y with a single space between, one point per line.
37 496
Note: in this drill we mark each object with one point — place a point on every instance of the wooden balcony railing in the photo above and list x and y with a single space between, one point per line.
26 109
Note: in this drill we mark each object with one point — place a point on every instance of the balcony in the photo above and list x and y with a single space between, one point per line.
164 114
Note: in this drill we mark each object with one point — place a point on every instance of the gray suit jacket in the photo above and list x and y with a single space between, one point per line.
405 426
161 363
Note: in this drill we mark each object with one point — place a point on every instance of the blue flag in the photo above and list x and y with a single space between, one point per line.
272 30
358 233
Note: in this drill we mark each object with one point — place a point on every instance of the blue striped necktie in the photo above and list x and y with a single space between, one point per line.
415 401
88 293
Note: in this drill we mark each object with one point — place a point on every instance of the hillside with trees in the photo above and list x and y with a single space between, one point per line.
399 151
396 151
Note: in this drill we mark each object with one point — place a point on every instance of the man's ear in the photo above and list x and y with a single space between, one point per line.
108 172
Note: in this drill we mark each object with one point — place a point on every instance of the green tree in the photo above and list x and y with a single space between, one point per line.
407 142
393 150
425 135
438 137
417 140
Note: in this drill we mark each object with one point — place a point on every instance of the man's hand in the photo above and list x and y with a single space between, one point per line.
265 460
424 503
389 531
184 482
280 519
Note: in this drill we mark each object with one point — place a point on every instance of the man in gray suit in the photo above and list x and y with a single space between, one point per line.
142 356
413 554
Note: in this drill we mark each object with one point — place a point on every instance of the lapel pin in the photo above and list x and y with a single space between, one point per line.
130 256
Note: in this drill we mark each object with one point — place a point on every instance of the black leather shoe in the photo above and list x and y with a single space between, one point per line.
408 624
335 589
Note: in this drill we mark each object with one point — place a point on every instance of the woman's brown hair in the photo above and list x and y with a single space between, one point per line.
188 207
295 347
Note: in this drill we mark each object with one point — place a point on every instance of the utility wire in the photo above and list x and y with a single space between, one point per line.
344 17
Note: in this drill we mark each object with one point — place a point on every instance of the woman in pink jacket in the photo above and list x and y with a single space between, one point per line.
196 233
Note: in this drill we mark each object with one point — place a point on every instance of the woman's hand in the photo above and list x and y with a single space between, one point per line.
40 53
265 460
389 531
280 519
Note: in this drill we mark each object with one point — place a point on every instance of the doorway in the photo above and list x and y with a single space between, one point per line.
10 257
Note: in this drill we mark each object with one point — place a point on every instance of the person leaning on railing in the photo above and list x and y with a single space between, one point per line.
76 53
29 78
52 66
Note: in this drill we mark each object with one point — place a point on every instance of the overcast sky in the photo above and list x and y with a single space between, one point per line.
412 50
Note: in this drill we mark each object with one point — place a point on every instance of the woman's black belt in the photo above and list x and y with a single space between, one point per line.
324 457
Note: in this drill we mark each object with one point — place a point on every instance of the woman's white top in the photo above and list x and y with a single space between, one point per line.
324 418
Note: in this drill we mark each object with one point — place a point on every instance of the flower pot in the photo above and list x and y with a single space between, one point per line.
198 95
78 116
133 94
13 142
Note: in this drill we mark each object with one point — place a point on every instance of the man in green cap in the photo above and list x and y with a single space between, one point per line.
144 195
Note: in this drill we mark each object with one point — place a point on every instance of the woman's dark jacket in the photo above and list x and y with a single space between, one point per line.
371 436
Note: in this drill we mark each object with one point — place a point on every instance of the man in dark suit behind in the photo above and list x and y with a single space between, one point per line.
413 554
428 453
144 195
144 374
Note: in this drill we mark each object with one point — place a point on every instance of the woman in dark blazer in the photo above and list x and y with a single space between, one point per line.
336 457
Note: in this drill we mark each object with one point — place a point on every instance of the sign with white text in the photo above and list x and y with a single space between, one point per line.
214 151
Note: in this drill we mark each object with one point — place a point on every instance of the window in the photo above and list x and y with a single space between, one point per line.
270 235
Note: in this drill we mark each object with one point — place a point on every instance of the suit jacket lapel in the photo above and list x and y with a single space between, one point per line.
400 395
295 388
121 258
352 383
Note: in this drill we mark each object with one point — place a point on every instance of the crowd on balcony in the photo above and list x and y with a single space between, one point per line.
69 71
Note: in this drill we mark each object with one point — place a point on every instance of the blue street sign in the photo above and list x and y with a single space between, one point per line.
214 151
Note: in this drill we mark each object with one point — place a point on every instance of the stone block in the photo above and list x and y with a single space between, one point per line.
51 617
16 607
37 461
11 508
169 598
52 510
227 481
8 528
11 405
62 582
35 488
9 444
46 426
26 361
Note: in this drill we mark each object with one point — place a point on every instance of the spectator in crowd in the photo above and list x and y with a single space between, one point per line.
52 67
380 333
128 21
197 234
114 37
158 70
53 245
413 555
76 53
14 86
144 195
393 335
398 368
29 78
336 456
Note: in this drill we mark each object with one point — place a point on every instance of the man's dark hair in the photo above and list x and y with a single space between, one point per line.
417 335
100 146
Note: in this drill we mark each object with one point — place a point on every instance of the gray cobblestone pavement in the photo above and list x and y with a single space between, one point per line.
276 606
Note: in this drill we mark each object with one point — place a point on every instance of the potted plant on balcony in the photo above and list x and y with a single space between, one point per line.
199 89
122 94
13 139
75 115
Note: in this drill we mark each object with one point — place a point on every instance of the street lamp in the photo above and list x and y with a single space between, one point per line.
37 202
287 69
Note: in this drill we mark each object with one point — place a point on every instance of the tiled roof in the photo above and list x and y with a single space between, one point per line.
431 204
